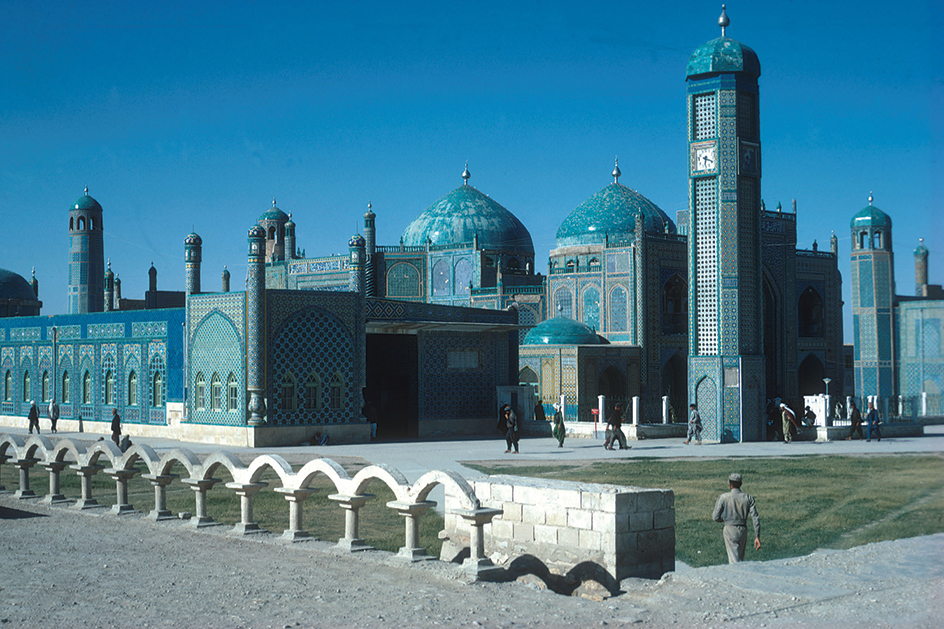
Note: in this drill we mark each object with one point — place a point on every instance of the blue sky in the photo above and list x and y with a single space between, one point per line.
180 117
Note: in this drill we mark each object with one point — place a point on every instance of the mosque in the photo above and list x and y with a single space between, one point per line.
428 335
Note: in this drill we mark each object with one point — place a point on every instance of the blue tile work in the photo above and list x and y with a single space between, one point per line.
216 349
460 392
315 331
395 310
85 341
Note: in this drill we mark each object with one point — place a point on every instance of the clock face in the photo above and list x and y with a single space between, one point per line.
705 158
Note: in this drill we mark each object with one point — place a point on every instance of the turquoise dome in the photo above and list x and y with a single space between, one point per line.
463 214
871 216
561 331
193 239
611 214
356 241
257 232
921 251
274 214
14 286
723 55
85 202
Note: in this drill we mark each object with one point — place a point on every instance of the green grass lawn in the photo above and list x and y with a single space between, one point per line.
805 503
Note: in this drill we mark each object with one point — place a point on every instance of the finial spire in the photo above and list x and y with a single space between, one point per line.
723 21
870 197
109 263
86 190
466 174
616 171
369 206
273 201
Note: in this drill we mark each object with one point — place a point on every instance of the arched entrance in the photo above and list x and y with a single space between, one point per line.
810 376
675 386
772 342
612 384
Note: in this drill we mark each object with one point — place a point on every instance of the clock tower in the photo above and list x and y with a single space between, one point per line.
726 362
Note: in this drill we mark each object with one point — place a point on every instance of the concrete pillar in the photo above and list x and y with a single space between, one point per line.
3 459
351 505
411 550
121 476
24 466
635 410
86 472
478 563
295 497
160 483
665 409
54 468
563 405
886 405
601 408
200 487
246 491
924 404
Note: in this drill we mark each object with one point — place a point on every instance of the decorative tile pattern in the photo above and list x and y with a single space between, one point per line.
106 330
25 334
148 328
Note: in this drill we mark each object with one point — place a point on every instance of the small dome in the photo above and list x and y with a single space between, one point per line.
871 216
14 286
256 231
561 331
356 241
193 239
85 202
463 214
611 213
723 55
274 214
921 251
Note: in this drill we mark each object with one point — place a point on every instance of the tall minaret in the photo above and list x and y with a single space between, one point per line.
726 362
193 256
86 256
255 326
873 302
370 244
109 289
356 247
921 268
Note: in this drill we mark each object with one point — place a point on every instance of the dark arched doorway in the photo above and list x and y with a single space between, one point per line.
810 314
810 376
675 386
612 384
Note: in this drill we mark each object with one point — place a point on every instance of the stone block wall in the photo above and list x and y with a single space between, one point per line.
627 531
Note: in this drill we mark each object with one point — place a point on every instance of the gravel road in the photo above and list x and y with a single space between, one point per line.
63 568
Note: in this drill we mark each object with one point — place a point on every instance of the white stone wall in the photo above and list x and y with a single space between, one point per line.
628 531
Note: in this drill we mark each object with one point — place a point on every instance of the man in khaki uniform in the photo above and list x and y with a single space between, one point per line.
733 508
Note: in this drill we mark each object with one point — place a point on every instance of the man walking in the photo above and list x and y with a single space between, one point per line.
53 412
33 417
732 508
614 424
871 423
694 426
115 427
856 418
789 421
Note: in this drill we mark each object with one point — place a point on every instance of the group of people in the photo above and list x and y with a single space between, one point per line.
52 412
871 422
789 425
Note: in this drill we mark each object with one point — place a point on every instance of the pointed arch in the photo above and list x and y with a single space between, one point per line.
232 393
336 391
46 390
618 308
463 273
216 392
675 305
66 384
403 280
8 386
441 280
810 314
27 385
87 388
313 391
591 306
289 389
199 391
132 388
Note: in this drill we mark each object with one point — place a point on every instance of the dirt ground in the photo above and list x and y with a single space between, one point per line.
64 568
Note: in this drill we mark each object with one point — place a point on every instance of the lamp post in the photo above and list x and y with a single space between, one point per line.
829 411
55 360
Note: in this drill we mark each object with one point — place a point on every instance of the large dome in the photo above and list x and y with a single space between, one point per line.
561 331
465 213
274 214
610 215
14 286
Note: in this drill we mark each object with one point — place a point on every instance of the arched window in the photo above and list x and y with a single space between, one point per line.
132 389
91 223
26 387
216 393
591 307
87 388
810 313
489 261
563 303
527 377
109 387
877 240
199 391
863 240
441 278
232 394
313 392
403 280
46 387
65 387
512 263
463 276
336 391
617 303
272 233
8 386
675 306
288 391
157 389
71 223
81 223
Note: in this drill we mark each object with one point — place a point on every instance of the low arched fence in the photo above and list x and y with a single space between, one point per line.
410 500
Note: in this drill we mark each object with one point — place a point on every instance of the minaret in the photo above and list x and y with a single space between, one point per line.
370 243
921 268
873 302
34 283
150 298
117 293
86 256
290 238
193 256
109 289
255 326
356 247
726 362
225 279
273 222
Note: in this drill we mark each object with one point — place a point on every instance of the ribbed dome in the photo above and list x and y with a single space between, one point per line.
14 286
464 213
871 216
723 55
611 214
561 331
